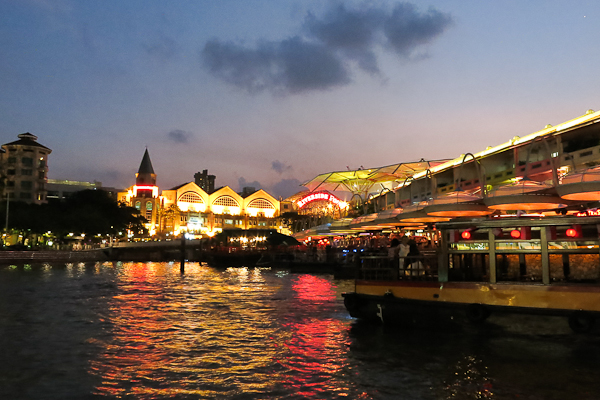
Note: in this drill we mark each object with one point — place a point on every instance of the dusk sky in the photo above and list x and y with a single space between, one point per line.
272 93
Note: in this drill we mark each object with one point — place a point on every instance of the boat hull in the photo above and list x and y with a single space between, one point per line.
433 303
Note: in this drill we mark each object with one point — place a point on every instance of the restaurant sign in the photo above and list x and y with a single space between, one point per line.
323 196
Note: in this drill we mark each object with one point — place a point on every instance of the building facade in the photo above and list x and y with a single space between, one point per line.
25 169
188 208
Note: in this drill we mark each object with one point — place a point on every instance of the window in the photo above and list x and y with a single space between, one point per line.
26 184
27 161
11 172
261 203
25 195
41 175
149 206
42 163
27 172
226 201
138 205
10 183
12 160
191 197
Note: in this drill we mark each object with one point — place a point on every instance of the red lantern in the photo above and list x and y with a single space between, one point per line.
574 231
515 234
466 235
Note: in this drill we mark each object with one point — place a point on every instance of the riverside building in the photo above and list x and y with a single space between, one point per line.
24 162
188 208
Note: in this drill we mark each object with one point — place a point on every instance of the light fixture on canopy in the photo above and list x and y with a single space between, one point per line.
524 195
460 203
580 185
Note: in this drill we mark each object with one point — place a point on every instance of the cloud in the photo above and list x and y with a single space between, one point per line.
290 66
406 29
322 57
242 182
179 136
286 187
280 167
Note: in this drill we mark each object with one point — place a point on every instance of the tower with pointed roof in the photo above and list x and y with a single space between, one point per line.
144 194
25 166
145 175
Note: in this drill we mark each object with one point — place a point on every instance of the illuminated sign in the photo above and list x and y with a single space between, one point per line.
589 213
153 188
323 196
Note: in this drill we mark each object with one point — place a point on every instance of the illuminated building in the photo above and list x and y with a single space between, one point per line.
25 164
555 170
188 208
200 212
144 194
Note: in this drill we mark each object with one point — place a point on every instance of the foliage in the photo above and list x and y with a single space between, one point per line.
90 212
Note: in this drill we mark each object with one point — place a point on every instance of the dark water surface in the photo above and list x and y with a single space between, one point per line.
144 331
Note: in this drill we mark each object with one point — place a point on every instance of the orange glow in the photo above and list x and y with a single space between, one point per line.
582 196
515 234
466 235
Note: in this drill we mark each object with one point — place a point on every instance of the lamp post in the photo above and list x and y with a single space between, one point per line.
6 222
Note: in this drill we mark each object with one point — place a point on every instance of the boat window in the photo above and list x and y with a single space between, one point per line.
519 245
572 245
574 267
469 267
519 267
470 246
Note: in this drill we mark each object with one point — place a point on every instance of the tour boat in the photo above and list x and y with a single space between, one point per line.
532 264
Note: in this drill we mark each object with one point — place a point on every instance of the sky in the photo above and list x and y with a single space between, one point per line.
272 93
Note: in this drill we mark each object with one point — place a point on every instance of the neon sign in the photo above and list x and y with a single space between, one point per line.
324 196
588 213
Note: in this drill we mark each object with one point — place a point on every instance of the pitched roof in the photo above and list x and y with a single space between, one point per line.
27 139
146 165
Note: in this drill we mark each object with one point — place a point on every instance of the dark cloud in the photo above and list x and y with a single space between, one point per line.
290 66
280 167
286 187
322 59
353 32
242 182
406 29
179 136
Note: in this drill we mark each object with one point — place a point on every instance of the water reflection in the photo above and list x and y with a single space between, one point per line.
143 330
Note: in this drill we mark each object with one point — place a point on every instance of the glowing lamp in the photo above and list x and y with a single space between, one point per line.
466 235
515 234
574 231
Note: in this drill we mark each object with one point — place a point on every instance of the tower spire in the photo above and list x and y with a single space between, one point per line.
145 175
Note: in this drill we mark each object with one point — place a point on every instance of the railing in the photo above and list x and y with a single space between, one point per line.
380 267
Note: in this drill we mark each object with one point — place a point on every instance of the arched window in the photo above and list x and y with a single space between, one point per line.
138 205
261 203
191 197
226 201
149 206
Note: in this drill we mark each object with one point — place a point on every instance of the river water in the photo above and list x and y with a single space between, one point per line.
145 331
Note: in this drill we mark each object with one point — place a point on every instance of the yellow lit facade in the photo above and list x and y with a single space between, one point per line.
189 209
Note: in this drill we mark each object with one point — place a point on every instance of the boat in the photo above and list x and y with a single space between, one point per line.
514 264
